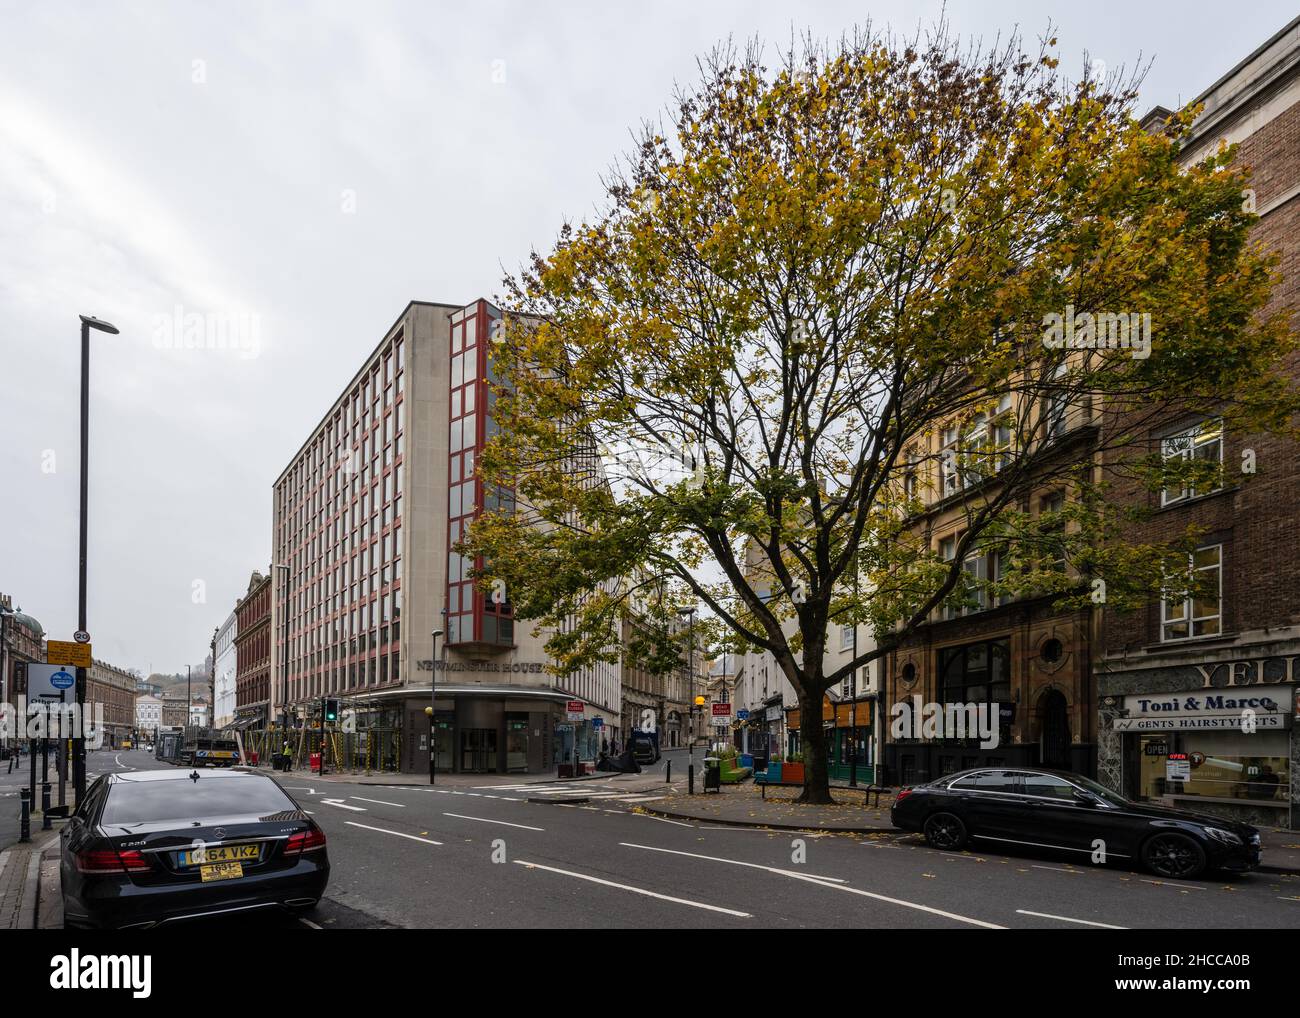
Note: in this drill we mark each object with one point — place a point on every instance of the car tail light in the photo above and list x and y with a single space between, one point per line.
106 860
305 841
903 793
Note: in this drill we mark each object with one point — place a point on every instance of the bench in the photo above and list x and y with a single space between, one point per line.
734 775
787 777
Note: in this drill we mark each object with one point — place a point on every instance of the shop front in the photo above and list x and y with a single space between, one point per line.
482 729
1216 737
762 733
848 727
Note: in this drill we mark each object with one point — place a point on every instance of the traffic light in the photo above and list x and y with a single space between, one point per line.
331 710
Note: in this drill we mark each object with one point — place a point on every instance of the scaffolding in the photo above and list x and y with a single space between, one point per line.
364 751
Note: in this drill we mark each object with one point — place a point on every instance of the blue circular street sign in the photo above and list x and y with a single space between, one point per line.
63 680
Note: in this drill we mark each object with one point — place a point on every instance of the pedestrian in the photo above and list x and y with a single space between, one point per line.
604 745
287 756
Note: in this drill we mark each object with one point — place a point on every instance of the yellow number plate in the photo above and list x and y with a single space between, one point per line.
222 871
219 853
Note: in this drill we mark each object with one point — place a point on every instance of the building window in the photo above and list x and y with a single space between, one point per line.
1056 404
1203 442
1052 529
976 672
846 637
950 477
1200 611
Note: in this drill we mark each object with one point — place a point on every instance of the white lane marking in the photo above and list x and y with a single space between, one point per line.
118 760
665 820
641 798
734 862
1171 883
308 922
824 882
1067 919
343 805
636 890
385 830
1057 869
485 820
769 831
380 801
301 788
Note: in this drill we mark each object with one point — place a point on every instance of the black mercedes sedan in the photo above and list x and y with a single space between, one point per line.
147 848
1067 812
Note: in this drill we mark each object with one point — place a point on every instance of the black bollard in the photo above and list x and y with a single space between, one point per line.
668 773
46 823
25 828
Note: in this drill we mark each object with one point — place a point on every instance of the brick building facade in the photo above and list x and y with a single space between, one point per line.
253 652
1198 701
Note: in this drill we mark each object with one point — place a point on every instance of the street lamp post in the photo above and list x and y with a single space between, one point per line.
690 695
212 681
433 706
79 743
853 691
276 712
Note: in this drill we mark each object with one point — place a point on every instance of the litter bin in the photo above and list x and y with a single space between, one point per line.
713 774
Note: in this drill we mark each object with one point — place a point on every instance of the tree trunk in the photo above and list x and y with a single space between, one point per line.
812 737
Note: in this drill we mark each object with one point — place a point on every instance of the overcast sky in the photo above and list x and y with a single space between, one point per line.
317 166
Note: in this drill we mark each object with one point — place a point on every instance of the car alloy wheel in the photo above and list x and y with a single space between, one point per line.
943 830
1173 855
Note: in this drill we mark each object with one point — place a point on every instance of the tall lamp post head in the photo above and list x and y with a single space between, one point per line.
91 322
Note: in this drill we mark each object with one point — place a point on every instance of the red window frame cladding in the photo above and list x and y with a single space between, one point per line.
468 610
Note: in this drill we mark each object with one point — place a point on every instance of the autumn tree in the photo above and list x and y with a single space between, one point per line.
823 296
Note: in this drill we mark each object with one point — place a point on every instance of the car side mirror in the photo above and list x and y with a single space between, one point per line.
1086 798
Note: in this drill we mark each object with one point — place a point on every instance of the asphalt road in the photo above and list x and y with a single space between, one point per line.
413 856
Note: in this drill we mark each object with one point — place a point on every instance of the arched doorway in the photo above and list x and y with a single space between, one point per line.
1054 730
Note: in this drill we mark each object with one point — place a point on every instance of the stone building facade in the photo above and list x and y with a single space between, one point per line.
114 688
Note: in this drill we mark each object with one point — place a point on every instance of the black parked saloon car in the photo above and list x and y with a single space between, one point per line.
153 847
1055 810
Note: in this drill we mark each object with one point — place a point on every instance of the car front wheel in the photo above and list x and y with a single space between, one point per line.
1173 855
944 830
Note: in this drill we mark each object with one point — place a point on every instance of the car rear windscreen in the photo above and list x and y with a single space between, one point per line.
142 802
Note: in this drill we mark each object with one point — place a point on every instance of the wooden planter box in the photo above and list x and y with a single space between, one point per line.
792 773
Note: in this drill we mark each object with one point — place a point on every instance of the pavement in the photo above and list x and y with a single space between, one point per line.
853 813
